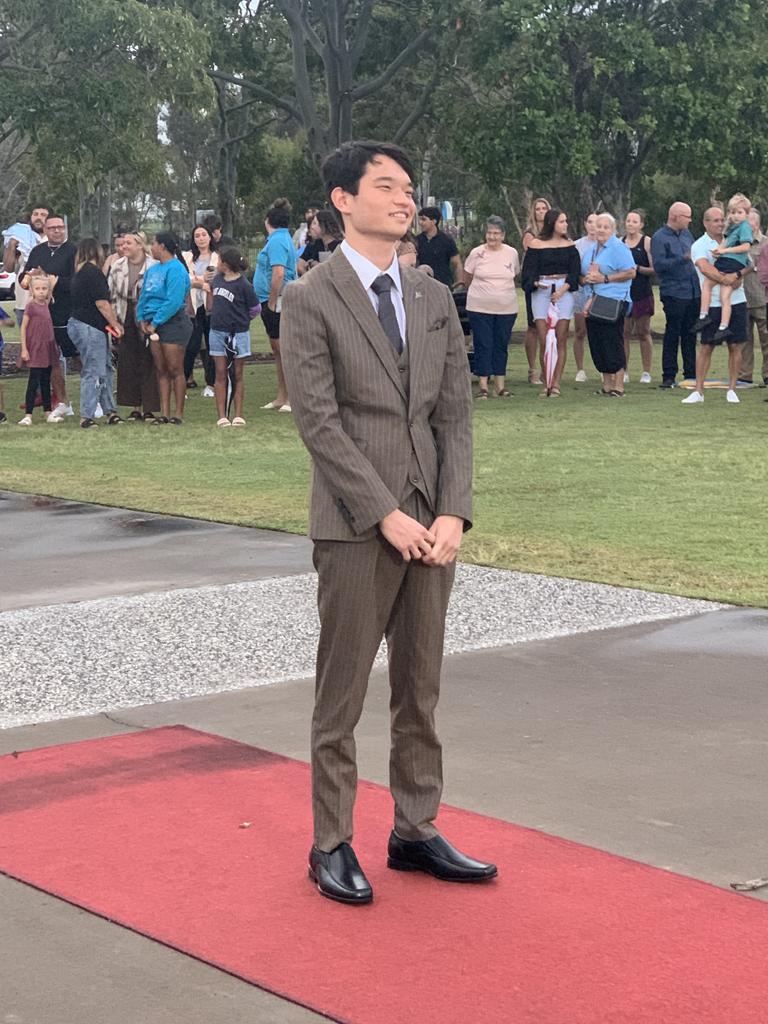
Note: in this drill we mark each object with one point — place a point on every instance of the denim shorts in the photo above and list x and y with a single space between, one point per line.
240 341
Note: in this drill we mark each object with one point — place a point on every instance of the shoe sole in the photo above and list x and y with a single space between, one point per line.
337 899
399 865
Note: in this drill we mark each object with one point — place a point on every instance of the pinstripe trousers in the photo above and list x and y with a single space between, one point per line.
365 592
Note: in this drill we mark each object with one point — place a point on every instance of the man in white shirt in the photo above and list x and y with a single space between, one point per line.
20 239
704 262
378 381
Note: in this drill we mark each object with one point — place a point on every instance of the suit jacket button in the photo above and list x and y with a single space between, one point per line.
401 369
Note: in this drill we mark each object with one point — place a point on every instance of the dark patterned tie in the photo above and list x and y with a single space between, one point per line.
387 316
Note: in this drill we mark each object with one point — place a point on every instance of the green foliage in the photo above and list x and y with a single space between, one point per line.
582 97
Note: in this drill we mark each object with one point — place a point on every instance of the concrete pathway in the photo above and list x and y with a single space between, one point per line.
645 739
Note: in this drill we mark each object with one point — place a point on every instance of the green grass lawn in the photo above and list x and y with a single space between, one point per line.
642 492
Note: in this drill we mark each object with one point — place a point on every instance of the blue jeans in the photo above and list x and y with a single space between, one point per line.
96 374
490 339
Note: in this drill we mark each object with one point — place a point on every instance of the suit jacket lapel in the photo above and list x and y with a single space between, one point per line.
352 294
416 325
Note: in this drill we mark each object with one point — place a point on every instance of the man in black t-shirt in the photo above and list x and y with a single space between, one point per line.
56 257
436 249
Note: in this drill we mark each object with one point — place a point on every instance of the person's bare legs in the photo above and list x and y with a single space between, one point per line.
163 377
646 342
220 387
734 364
726 293
282 390
482 383
561 333
499 383
531 349
579 340
174 357
703 362
239 387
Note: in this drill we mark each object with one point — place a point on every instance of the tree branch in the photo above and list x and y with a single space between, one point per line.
420 109
265 94
389 72
361 34
294 15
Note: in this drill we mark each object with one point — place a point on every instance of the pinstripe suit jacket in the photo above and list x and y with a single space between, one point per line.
361 426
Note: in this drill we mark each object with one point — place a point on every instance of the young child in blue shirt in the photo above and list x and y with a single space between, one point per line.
731 258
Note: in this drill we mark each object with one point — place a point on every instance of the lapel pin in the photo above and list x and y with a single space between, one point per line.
417 295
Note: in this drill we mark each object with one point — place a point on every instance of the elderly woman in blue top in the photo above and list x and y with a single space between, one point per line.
162 315
275 267
607 269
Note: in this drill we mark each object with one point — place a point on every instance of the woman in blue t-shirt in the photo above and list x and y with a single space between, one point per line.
161 312
275 267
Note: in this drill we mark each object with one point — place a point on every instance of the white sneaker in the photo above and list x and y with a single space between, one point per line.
53 418
581 377
732 397
287 407
208 392
694 398
62 409
25 421
626 378
645 377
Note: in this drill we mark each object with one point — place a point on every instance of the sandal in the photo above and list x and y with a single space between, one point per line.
87 422
504 393
482 393
113 418
158 421
148 416
175 421
554 393
135 415
223 422
238 421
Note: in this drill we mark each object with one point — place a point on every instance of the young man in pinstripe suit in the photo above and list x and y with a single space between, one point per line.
379 384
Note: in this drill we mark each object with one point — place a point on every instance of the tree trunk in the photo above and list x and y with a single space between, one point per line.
104 201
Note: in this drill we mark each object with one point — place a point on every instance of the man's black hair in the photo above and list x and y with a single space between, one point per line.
432 212
211 222
54 216
345 166
39 206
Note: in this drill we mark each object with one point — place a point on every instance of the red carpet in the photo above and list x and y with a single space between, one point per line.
144 829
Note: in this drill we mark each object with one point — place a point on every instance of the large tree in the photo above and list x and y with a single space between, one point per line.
345 53
579 98
82 81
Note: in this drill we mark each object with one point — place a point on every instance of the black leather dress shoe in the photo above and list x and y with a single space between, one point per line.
338 875
437 857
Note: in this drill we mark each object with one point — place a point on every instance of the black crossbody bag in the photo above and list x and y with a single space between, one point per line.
607 311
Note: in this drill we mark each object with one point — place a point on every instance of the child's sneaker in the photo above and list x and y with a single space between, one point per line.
62 409
25 421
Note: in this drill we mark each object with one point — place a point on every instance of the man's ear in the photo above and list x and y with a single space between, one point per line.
340 199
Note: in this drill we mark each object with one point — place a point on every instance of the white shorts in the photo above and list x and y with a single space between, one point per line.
541 297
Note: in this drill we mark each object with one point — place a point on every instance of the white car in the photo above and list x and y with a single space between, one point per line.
7 285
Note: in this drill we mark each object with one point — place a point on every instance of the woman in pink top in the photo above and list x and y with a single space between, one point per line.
489 274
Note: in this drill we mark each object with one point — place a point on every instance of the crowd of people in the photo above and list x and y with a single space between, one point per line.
148 312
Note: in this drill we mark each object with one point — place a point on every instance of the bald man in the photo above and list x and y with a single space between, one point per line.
704 263
680 292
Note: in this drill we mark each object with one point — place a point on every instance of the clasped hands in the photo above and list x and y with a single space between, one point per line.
438 545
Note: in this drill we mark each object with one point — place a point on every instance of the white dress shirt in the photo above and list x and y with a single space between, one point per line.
368 272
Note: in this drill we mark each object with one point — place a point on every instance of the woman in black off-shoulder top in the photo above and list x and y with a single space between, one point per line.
550 274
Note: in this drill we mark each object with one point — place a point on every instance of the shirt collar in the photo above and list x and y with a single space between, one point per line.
367 271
